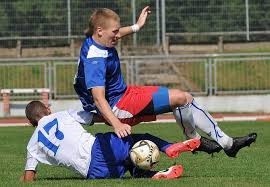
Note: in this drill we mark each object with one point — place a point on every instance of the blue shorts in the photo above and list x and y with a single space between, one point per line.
108 157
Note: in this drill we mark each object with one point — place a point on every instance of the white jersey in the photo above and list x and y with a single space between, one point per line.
59 139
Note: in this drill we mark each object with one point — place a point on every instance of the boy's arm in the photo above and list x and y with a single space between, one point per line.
28 176
120 129
30 169
136 27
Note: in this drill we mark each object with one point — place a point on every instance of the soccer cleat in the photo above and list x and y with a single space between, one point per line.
239 143
208 146
175 149
172 172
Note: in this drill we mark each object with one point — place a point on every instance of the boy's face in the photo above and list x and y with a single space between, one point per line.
110 34
48 110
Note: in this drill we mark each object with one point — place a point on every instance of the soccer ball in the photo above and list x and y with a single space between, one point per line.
144 154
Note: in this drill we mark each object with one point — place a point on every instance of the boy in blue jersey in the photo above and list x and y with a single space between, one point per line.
59 139
101 87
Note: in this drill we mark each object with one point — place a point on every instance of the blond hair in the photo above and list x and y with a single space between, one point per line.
99 18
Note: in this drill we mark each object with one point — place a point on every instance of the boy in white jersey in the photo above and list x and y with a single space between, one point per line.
59 139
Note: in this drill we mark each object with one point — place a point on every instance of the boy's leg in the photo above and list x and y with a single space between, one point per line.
161 144
184 118
204 121
162 103
172 172
207 124
108 156
183 115
155 100
176 149
172 150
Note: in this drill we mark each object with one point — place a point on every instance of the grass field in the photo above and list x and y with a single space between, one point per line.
250 168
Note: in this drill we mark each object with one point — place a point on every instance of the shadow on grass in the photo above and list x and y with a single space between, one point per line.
79 178
60 178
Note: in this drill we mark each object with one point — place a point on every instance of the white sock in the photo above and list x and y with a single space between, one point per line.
184 119
207 124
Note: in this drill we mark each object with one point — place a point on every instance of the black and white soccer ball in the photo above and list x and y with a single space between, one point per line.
144 154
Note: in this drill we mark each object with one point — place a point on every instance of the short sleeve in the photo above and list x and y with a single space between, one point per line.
95 72
81 116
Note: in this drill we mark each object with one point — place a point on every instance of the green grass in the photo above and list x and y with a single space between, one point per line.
250 168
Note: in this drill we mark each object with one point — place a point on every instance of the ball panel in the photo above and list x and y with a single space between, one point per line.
144 154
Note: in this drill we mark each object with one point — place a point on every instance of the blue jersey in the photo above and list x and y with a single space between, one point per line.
98 66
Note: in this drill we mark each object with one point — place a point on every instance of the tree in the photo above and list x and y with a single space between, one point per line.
3 22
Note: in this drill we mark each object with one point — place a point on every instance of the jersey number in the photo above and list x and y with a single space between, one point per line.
45 141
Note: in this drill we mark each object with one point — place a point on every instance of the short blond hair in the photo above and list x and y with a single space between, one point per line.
99 18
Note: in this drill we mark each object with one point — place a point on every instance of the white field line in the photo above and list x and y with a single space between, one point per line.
218 119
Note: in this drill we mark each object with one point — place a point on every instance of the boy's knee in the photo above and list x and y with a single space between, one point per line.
179 98
189 97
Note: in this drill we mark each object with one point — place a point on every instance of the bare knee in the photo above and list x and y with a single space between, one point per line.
179 98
